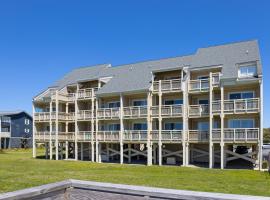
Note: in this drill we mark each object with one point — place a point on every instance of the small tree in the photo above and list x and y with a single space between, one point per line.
266 135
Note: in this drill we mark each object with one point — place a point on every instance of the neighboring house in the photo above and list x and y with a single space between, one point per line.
16 129
205 108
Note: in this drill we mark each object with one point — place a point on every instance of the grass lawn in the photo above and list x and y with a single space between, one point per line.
18 170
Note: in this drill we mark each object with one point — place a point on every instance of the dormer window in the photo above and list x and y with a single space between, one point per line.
247 71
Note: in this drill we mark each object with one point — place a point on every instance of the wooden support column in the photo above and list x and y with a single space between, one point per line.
56 125
34 133
149 129
211 146
159 125
121 129
76 124
66 149
222 127
50 142
81 150
97 128
261 126
99 153
93 125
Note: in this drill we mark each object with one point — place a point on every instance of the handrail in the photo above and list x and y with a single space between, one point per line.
198 135
135 135
167 110
135 111
85 114
107 113
198 110
167 135
167 85
108 135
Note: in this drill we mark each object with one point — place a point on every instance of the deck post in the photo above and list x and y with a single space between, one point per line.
81 150
261 126
149 129
99 153
211 145
160 153
34 132
97 148
56 126
50 141
66 149
187 153
129 153
222 127
92 126
121 129
76 123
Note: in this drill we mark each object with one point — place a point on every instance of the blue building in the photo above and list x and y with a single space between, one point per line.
15 129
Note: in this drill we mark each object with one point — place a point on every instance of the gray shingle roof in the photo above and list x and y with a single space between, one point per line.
137 76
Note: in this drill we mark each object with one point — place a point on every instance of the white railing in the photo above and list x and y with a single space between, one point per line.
198 136
42 135
5 134
108 113
198 85
167 85
198 110
84 136
71 97
135 111
241 134
135 135
85 114
167 110
42 116
203 84
108 135
216 134
66 136
84 93
167 135
238 105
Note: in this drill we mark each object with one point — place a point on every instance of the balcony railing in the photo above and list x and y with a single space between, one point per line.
42 116
241 134
198 110
135 112
42 135
5 119
238 106
84 136
135 135
85 114
167 110
198 136
5 134
66 136
108 113
201 85
86 93
167 135
167 85
108 135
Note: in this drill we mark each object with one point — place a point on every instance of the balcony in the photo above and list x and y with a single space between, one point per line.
66 136
135 112
108 136
167 135
202 85
235 106
167 110
198 136
198 110
42 136
85 115
84 136
5 119
135 135
42 116
172 85
86 93
5 133
237 134
108 113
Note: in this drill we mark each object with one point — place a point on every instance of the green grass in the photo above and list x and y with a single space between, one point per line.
18 170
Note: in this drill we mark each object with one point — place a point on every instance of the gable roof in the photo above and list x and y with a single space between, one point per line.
11 113
137 76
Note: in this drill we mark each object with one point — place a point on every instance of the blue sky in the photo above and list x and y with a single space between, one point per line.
40 41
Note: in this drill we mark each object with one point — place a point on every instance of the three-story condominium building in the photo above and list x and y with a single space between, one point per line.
205 108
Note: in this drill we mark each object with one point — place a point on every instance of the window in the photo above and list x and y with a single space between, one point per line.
114 127
26 130
247 71
203 101
173 126
203 126
173 101
241 123
140 126
241 95
26 121
140 102
114 104
203 77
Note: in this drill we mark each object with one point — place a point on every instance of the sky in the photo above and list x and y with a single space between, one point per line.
41 41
